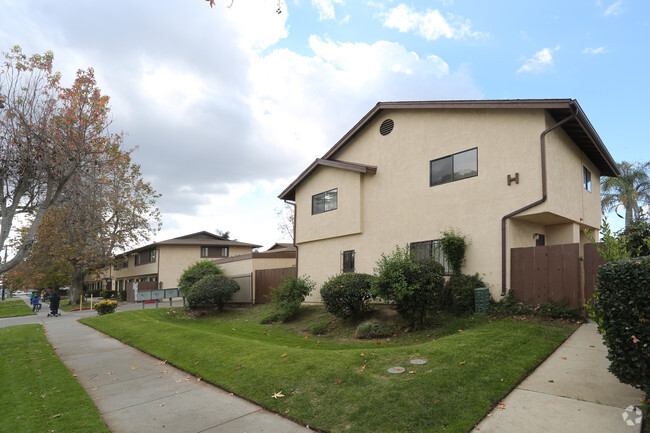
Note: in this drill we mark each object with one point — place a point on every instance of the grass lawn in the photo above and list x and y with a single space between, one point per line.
13 307
39 394
337 383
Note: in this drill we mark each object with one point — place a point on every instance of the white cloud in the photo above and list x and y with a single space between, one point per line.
540 62
615 8
595 51
431 24
326 8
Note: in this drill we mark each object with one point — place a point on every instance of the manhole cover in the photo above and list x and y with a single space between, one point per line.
396 370
418 361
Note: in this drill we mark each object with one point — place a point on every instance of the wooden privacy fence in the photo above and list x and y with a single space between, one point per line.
554 273
267 278
546 273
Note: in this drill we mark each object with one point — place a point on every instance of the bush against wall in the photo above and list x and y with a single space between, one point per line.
347 295
625 307
287 298
212 291
194 273
414 286
461 289
454 245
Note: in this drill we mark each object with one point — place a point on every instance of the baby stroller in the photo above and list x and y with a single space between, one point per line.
54 305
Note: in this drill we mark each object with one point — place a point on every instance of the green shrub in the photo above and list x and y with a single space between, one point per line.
194 273
212 291
454 245
637 235
460 288
551 310
107 294
122 295
373 329
287 297
625 305
347 295
105 307
414 286
509 306
319 328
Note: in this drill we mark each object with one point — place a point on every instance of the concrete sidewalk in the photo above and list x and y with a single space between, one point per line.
135 392
571 392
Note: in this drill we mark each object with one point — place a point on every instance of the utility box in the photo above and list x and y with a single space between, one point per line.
481 300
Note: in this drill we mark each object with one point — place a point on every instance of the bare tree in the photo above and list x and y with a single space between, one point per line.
285 217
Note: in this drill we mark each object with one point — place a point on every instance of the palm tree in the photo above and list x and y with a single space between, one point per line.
630 190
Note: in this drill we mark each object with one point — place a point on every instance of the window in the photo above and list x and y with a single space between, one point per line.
138 259
152 256
348 261
586 178
324 202
430 250
454 167
214 252
121 263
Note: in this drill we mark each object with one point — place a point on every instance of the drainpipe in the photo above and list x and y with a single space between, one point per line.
542 144
295 217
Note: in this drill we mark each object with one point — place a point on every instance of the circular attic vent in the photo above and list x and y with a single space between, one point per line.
386 127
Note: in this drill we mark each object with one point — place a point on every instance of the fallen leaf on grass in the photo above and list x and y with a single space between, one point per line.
277 395
462 362
363 367
56 416
635 340
338 382
460 330
412 372
283 355
378 343
238 367
43 395
196 363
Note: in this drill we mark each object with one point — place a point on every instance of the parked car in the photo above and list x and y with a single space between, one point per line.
19 293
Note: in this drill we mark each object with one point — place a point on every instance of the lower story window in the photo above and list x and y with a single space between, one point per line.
430 250
347 259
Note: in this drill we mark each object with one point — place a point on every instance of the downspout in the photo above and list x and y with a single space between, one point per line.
542 144
295 217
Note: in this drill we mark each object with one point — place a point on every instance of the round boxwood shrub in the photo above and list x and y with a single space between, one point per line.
347 295
373 329
194 273
212 291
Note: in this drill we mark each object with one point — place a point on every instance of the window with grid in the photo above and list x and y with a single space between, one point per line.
347 261
586 178
430 250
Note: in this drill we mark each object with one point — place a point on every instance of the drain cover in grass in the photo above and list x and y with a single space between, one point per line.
418 361
396 370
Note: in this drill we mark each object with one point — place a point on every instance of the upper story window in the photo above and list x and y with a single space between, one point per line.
214 252
586 178
324 202
152 256
430 250
138 259
145 257
454 167
121 263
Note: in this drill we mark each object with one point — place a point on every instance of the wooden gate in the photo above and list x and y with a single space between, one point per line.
267 278
547 273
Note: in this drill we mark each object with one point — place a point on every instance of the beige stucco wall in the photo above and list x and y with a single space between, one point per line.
397 206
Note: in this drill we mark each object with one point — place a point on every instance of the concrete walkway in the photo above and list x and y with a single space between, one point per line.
135 392
571 392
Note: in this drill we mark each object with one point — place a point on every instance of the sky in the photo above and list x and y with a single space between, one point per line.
228 104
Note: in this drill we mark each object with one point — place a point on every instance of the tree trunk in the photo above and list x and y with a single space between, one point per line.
77 285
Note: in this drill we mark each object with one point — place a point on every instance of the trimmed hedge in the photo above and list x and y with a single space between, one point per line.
347 295
212 291
624 300
194 273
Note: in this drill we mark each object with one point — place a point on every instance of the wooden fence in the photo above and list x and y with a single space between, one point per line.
267 278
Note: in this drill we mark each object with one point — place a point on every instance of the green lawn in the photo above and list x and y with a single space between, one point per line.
13 307
39 394
337 383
